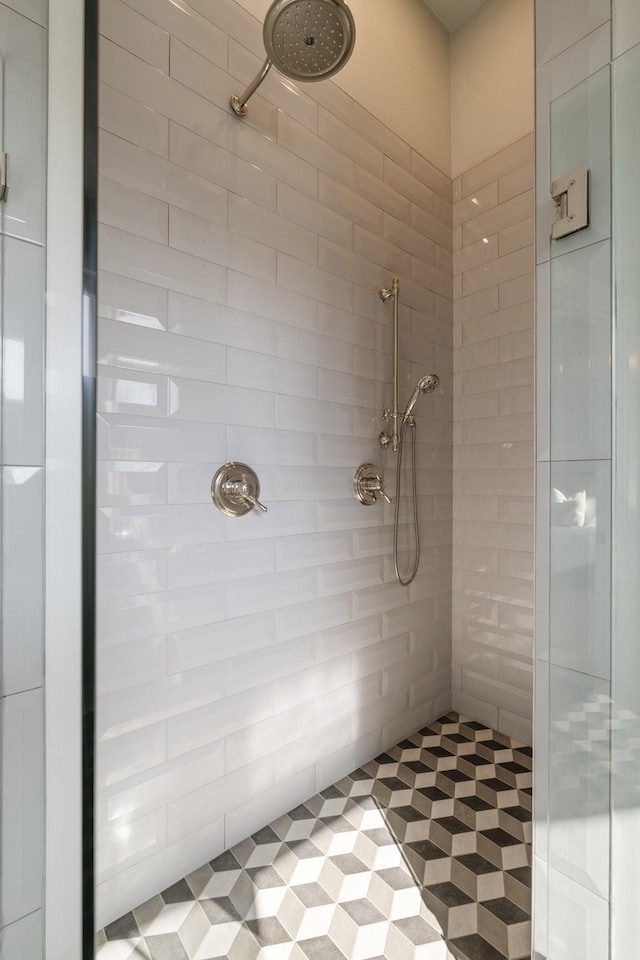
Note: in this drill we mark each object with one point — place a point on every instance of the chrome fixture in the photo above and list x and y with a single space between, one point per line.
395 440
385 294
425 385
305 40
235 489
570 195
368 484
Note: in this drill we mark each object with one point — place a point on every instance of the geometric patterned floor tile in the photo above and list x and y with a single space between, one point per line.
421 854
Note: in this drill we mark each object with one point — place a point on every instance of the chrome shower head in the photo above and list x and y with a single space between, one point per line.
429 383
305 40
426 384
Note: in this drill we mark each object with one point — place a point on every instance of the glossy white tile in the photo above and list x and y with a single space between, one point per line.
209 241
554 79
274 158
578 920
148 439
132 664
197 400
22 579
131 392
126 482
211 162
23 345
220 641
123 26
23 46
271 374
132 348
626 26
144 172
131 301
23 938
161 93
254 221
213 563
23 803
36 10
581 354
580 544
560 25
187 25
133 121
150 528
579 134
130 574
153 263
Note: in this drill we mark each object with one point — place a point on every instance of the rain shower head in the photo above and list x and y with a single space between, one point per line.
305 40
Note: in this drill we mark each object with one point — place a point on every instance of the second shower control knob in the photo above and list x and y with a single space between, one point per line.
368 484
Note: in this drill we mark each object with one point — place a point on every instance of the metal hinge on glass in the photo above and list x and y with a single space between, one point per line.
571 197
4 183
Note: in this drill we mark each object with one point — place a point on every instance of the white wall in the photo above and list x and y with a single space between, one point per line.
399 71
245 664
23 133
493 534
492 82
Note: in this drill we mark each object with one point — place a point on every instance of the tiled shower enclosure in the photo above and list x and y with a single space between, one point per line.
245 665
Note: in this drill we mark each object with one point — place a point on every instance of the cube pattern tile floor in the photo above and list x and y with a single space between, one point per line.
421 854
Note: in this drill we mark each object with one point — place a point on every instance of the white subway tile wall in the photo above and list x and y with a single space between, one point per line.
23 133
493 453
246 664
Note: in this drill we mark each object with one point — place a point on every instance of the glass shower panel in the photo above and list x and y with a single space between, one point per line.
581 353
580 136
626 592
576 504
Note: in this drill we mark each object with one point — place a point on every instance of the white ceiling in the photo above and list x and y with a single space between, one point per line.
453 12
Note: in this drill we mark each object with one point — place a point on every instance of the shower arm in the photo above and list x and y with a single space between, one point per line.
239 104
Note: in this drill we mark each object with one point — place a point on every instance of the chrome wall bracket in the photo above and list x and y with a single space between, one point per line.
571 197
235 490
368 485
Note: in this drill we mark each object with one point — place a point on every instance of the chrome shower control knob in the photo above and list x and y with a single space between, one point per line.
368 485
235 490
384 439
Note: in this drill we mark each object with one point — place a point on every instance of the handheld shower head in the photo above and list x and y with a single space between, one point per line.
426 384
305 40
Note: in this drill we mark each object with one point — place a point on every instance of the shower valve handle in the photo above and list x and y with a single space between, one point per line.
241 489
376 486
235 490
254 502
368 485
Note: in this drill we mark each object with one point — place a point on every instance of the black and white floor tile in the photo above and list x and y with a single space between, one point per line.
422 854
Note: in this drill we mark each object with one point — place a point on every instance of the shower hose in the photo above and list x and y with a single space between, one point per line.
406 422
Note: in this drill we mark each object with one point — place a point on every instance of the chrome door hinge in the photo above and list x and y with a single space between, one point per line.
4 183
571 197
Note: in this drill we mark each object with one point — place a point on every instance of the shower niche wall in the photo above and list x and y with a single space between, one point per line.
245 664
